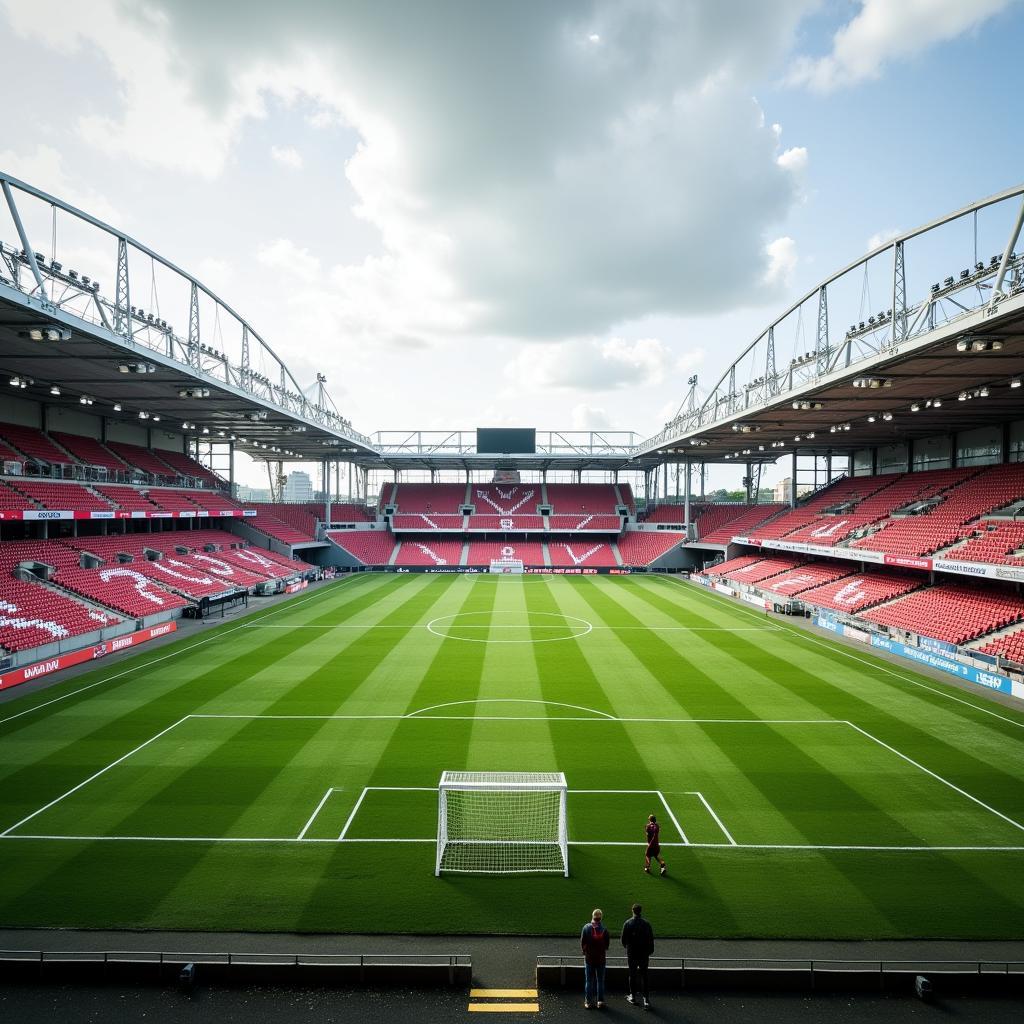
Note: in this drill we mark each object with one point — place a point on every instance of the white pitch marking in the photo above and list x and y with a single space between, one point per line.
522 718
539 640
508 700
572 842
675 821
353 814
95 775
711 811
153 661
934 775
646 629
319 806
840 649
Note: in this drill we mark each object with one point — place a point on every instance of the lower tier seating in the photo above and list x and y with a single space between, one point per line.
371 547
428 551
583 553
732 565
813 574
762 569
1009 646
271 526
121 587
953 612
638 547
530 552
863 590
32 615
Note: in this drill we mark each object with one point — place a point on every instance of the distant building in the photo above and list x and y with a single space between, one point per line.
780 492
298 487
252 493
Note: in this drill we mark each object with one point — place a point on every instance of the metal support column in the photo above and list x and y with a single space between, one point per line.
686 498
792 484
25 244
997 293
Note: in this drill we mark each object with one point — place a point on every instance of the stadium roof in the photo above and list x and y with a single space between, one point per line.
946 362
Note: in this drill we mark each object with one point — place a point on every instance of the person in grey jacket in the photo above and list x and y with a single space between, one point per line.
638 938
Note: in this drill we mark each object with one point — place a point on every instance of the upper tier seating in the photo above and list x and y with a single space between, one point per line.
675 514
371 547
121 587
271 526
66 497
638 547
428 551
953 612
12 499
582 552
844 491
90 451
1009 646
142 459
626 493
507 524
48 552
171 500
32 615
996 541
441 498
749 517
185 465
813 574
34 443
423 521
732 565
529 552
213 501
348 512
917 536
585 499
8 454
130 499
862 590
585 523
505 499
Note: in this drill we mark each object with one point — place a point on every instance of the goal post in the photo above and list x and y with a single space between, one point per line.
507 566
497 823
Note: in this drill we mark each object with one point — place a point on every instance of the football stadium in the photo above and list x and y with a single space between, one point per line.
430 690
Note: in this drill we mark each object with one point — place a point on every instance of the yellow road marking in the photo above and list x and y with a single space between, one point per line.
504 1007
503 993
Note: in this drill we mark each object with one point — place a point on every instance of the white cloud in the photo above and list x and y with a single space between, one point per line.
881 237
44 168
524 180
586 417
782 261
287 156
591 365
285 256
793 159
887 30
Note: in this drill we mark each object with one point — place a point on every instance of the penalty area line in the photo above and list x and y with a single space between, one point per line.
287 840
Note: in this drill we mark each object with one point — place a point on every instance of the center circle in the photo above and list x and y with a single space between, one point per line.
511 627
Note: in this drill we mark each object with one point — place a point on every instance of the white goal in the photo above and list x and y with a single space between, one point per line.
501 823
507 565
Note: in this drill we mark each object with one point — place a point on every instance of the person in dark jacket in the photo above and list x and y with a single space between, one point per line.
594 941
638 938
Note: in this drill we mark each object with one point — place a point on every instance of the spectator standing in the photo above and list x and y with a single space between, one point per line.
594 941
638 938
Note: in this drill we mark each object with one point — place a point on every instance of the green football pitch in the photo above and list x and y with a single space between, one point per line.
280 772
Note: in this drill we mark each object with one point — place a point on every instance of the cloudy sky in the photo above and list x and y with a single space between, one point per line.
538 213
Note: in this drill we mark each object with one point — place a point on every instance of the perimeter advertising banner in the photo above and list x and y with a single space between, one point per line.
930 658
120 643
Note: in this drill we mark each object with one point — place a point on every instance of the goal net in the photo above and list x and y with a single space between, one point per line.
507 565
501 823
